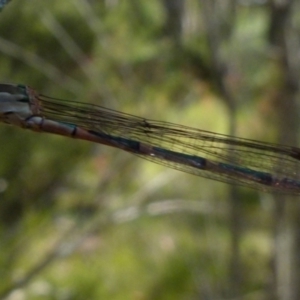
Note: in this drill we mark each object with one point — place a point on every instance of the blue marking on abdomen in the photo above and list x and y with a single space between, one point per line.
263 177
194 161
132 145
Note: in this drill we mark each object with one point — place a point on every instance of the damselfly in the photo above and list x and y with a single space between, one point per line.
258 165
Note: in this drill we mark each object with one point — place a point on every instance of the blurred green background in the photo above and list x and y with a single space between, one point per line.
84 221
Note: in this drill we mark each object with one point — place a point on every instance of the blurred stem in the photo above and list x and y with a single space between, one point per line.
286 260
213 13
174 15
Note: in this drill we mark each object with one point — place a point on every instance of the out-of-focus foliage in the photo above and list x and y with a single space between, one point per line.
83 221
